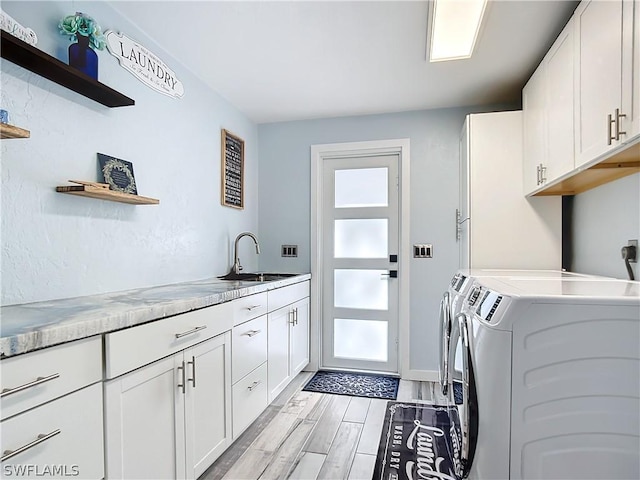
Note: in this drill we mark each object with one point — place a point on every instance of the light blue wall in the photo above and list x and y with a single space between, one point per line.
604 219
285 196
56 245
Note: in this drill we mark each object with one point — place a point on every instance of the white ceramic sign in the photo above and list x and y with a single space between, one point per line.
9 25
143 64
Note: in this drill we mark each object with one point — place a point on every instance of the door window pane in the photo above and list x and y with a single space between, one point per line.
361 238
366 289
360 339
361 187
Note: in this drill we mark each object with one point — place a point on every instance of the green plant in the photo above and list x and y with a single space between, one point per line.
81 24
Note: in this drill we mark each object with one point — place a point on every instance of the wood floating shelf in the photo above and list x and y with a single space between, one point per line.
623 163
106 194
39 62
10 131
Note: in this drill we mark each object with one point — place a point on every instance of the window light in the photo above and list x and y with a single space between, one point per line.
454 28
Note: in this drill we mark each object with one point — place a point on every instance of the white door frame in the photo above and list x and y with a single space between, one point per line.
355 149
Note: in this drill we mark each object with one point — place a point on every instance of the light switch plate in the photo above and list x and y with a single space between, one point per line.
422 250
289 250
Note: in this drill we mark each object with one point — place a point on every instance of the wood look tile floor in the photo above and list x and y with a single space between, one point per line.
309 435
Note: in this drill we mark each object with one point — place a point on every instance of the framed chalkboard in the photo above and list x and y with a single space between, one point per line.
232 170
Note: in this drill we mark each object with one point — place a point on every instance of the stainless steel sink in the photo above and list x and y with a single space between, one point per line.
257 277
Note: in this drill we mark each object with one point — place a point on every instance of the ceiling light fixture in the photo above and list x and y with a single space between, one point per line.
455 25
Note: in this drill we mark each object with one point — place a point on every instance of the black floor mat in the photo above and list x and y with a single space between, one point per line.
354 384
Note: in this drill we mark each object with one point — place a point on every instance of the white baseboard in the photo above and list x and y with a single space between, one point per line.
421 375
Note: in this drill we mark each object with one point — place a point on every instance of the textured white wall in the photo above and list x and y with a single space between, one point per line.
55 245
604 219
285 201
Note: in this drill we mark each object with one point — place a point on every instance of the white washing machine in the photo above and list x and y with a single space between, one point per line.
452 300
551 378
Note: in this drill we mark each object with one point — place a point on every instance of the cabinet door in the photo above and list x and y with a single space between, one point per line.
534 129
598 74
631 64
278 350
559 106
144 422
299 354
207 402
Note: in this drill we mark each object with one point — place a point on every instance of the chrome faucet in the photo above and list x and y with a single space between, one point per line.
236 261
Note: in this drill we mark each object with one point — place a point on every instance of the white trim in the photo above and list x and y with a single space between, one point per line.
356 149
421 376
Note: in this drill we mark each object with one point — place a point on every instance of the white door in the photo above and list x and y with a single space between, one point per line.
360 263
207 402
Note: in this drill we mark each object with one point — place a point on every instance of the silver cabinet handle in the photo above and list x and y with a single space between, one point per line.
253 307
445 336
537 174
465 421
543 174
183 385
251 333
189 332
43 437
253 385
618 117
610 136
193 371
37 381
291 318
295 316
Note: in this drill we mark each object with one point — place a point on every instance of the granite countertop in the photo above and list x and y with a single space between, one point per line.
31 326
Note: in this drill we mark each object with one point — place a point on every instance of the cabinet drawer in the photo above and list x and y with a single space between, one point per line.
134 347
249 307
249 399
72 442
280 297
48 374
248 347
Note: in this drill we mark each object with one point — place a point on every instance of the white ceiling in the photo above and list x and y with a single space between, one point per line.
279 61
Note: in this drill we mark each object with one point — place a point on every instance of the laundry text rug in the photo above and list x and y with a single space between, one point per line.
354 384
419 441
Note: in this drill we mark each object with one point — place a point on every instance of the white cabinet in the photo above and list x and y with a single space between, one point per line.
502 228
172 418
603 52
288 342
547 104
52 412
249 367
62 438
632 10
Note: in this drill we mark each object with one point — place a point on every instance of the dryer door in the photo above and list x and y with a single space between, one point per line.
463 372
445 335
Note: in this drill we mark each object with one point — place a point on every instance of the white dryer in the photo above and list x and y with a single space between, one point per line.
453 298
551 378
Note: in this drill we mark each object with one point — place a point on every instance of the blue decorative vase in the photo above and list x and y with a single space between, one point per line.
83 57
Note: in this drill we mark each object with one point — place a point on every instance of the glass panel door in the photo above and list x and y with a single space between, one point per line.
360 232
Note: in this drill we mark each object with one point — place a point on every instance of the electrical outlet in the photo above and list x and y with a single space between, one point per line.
634 243
423 250
289 250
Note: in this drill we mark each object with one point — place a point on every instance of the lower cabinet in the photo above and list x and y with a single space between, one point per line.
288 344
172 418
62 438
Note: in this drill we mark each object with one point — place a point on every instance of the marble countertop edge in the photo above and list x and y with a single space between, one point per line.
28 327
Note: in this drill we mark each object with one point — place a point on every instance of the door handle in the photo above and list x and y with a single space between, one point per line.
618 117
391 274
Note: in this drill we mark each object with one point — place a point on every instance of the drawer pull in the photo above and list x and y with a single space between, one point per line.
253 307
189 332
251 333
37 381
183 385
253 385
43 437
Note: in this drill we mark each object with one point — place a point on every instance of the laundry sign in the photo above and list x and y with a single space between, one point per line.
143 64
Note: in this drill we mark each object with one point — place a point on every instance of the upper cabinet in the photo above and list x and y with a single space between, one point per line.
602 118
547 100
582 105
